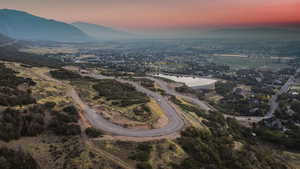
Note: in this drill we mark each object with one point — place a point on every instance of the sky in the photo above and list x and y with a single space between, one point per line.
163 14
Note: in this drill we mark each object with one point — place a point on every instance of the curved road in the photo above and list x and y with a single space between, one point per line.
174 125
194 100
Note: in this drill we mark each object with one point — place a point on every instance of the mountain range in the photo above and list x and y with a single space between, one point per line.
102 32
24 26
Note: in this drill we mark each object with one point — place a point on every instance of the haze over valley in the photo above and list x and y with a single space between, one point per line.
175 84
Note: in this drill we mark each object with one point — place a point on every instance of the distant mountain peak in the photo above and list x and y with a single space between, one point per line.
102 32
22 25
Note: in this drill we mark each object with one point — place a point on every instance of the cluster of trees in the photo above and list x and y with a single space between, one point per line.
142 113
65 122
9 92
8 78
142 154
289 139
244 76
147 83
224 88
214 148
11 54
255 78
31 122
69 153
14 97
16 159
288 113
266 90
295 106
93 132
122 94
249 106
289 102
15 123
241 103
64 74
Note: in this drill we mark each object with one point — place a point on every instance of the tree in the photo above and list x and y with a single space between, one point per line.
93 132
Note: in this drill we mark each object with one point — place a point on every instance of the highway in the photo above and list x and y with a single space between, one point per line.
175 123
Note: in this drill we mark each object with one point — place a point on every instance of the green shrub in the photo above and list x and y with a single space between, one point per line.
122 94
11 159
15 123
64 74
93 132
63 129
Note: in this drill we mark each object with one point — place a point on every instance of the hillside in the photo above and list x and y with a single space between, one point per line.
9 51
22 25
101 32
43 128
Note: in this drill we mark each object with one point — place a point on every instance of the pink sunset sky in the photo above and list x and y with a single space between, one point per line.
163 14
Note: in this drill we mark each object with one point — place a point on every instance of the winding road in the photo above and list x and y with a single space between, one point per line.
175 123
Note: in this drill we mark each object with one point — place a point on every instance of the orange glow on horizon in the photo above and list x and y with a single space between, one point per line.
164 14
